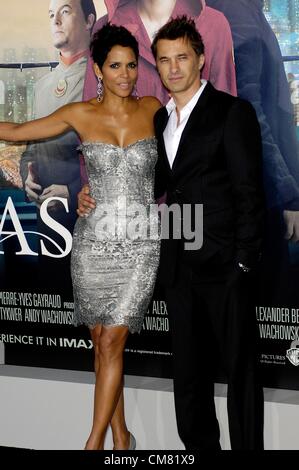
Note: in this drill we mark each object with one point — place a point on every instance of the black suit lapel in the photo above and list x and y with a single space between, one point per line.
160 125
194 122
161 120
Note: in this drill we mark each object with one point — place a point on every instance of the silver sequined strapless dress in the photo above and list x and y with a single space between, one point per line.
116 247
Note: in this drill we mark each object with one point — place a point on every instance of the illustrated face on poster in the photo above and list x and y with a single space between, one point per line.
69 27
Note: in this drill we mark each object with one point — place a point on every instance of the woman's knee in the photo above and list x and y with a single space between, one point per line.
95 334
112 341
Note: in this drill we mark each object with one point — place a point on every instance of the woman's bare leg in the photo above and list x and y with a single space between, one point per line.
121 435
110 343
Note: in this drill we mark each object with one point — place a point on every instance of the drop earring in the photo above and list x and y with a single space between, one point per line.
135 92
100 89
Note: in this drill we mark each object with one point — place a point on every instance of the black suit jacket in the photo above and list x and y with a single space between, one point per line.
218 164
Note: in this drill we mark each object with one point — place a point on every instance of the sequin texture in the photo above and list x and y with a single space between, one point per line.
114 274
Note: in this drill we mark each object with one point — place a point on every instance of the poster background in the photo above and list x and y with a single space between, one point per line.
33 341
27 25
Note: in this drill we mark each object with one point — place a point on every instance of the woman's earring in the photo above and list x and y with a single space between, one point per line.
100 89
135 92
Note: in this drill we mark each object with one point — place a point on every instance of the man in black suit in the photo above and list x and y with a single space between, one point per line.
209 147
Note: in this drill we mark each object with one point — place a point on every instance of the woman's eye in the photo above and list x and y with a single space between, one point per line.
114 66
132 66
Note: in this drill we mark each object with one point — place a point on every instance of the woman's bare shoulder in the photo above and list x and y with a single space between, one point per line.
83 107
151 103
74 113
92 102
77 106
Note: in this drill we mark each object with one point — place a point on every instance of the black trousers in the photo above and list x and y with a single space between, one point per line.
213 321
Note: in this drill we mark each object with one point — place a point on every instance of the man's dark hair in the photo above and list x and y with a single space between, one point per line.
88 8
106 38
179 27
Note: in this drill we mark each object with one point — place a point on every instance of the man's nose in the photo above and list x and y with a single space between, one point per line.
57 18
174 65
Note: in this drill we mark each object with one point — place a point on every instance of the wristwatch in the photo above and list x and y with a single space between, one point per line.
244 268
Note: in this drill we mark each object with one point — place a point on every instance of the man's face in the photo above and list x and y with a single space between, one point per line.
68 24
178 65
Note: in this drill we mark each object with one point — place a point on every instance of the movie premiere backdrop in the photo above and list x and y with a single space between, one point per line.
36 302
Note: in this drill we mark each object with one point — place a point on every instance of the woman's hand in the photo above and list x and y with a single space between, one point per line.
85 202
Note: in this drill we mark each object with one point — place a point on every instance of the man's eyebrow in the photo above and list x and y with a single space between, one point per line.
65 5
182 54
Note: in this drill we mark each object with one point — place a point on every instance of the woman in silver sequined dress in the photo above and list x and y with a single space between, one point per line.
115 252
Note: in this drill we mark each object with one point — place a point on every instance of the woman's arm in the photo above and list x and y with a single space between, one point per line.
56 123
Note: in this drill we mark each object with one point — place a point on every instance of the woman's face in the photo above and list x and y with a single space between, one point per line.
119 71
